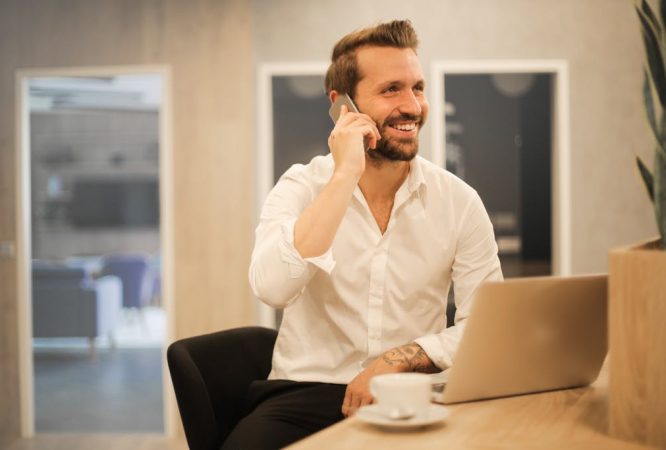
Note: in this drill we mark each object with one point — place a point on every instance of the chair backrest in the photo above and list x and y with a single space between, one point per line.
211 374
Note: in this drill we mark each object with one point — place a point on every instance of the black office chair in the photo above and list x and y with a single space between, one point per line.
210 375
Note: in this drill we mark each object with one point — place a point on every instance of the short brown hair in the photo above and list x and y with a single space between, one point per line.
343 73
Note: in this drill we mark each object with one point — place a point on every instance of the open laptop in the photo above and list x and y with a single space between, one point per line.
527 335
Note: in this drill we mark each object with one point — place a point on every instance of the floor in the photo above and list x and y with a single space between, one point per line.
113 390
117 391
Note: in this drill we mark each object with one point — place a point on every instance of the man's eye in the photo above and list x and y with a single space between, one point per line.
391 89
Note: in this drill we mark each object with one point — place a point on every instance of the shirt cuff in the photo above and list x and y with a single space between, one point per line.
432 345
296 263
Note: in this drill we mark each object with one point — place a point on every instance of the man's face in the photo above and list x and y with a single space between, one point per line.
391 92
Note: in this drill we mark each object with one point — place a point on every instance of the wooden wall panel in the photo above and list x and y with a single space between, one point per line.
208 45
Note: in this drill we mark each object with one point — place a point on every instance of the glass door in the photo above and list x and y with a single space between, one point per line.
97 316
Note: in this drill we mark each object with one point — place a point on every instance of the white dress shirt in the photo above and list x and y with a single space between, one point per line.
371 292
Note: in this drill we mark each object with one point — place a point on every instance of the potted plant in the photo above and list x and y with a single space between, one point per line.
637 274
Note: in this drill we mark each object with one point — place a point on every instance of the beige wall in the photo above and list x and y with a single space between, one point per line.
208 44
600 40
213 47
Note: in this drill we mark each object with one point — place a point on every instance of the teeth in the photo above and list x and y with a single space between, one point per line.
405 126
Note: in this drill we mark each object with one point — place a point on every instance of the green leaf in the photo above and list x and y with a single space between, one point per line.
647 177
662 11
655 60
660 130
651 18
649 106
659 188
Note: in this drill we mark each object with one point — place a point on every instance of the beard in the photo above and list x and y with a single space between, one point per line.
396 149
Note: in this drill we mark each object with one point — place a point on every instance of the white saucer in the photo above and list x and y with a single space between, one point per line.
372 414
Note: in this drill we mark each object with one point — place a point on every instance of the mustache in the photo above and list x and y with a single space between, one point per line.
404 117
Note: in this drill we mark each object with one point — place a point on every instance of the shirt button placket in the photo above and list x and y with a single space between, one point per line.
376 300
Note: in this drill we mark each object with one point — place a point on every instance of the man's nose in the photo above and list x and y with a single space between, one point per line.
410 104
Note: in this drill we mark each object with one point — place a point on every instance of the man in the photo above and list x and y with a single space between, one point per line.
360 248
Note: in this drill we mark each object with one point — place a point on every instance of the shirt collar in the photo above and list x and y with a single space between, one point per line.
415 179
415 182
413 186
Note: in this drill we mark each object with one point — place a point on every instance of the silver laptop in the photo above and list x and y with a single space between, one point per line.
527 335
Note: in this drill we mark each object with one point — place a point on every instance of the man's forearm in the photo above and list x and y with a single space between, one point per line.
409 358
315 229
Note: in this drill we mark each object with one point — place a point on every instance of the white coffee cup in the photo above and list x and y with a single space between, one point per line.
401 394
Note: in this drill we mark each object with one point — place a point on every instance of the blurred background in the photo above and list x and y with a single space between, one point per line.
138 139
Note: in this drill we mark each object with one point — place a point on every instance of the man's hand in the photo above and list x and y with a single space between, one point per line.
316 227
406 358
347 141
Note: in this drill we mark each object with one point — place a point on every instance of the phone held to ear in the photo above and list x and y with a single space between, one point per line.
342 99
334 111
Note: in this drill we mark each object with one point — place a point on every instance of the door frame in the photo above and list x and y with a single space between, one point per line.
23 227
560 150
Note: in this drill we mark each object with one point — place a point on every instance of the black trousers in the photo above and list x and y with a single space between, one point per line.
280 412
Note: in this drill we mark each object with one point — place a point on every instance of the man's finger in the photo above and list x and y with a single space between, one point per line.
343 110
355 403
366 400
369 136
346 403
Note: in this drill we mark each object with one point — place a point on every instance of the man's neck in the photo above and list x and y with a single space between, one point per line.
381 180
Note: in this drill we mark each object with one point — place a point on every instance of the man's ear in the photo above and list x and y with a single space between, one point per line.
333 95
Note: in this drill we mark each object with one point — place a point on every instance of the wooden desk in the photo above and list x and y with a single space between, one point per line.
566 419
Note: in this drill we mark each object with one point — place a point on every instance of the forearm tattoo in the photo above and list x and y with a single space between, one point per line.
410 356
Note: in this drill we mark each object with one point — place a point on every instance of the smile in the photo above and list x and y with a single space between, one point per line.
404 126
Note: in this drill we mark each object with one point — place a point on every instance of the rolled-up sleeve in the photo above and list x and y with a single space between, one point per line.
278 274
476 261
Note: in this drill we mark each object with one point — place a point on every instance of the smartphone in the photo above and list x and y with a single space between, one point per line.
334 111
343 99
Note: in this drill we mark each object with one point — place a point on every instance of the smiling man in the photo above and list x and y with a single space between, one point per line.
360 248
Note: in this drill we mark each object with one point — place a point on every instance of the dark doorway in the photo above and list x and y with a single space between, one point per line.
499 140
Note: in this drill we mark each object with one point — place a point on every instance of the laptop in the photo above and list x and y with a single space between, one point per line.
527 335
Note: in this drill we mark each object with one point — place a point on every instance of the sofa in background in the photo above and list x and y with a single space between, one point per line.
67 302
